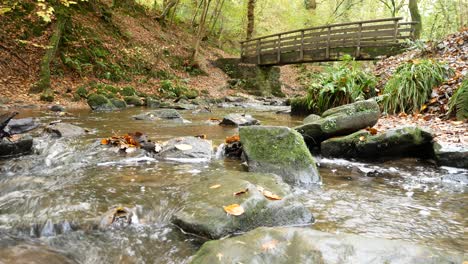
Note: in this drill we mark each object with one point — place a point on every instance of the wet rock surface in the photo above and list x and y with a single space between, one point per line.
279 150
239 120
159 114
203 213
60 129
15 146
311 118
452 156
341 120
188 149
393 143
304 245
99 102
29 252
21 125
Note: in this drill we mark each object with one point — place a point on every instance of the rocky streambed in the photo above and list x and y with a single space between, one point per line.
74 199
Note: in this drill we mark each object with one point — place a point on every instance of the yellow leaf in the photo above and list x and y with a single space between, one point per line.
234 209
270 245
271 196
423 107
216 186
362 138
183 147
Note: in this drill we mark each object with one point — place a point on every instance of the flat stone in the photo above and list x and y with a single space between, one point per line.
451 156
57 108
12 148
186 149
311 118
284 245
339 121
64 130
21 125
279 150
202 212
239 120
158 115
393 143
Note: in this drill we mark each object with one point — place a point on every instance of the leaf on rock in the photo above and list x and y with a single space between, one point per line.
372 130
232 139
270 245
241 192
271 196
202 136
362 138
216 186
234 209
104 141
183 147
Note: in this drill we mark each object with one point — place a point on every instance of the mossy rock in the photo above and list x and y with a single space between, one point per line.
128 91
284 245
152 103
202 211
452 156
133 100
47 96
279 150
100 102
339 121
121 104
191 94
394 143
311 118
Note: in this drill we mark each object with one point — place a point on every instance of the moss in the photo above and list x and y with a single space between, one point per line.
99 102
82 92
128 91
191 94
47 95
119 103
133 100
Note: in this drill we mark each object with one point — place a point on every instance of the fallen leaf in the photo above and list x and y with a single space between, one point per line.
241 192
457 122
104 141
232 139
14 138
372 130
234 209
423 107
216 186
362 138
270 245
202 136
271 196
183 147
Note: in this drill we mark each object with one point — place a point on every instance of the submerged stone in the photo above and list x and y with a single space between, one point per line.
279 150
239 120
452 156
303 245
11 147
64 130
339 121
158 115
186 149
400 142
202 212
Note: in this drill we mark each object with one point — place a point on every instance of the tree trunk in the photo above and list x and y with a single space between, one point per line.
250 18
217 16
168 5
201 29
194 18
43 85
415 17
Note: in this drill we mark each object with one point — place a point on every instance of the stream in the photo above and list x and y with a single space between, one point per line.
56 194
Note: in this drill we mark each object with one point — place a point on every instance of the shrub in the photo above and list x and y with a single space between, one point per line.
458 103
127 91
81 92
341 84
411 85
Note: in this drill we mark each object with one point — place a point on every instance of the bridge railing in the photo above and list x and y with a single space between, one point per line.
326 42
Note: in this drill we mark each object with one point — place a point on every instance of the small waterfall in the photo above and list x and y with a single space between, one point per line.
220 151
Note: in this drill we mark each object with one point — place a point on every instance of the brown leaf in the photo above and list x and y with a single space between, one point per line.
270 245
202 136
241 192
372 130
271 196
234 209
232 139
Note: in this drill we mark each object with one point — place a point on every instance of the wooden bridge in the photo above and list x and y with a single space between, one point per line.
364 40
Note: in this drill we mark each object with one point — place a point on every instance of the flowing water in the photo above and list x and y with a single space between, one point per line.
56 195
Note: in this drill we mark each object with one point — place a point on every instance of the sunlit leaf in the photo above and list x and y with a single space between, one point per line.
270 245
183 147
234 209
232 139
271 196
216 186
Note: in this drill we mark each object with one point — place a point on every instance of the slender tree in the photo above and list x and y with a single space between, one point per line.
201 29
415 17
250 18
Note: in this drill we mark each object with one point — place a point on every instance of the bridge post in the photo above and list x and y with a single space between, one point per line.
358 48
259 59
301 52
327 55
278 59
395 37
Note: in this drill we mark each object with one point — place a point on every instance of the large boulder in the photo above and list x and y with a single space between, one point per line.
399 142
186 149
22 125
339 121
15 146
279 150
159 114
239 120
311 118
303 245
99 102
452 156
60 129
203 207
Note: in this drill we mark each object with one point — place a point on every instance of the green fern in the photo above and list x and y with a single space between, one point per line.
411 85
458 103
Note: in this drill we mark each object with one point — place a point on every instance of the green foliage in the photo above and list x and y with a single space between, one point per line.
458 103
340 84
128 91
169 89
47 96
411 85
82 92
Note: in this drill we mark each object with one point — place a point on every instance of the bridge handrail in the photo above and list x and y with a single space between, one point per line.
395 19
